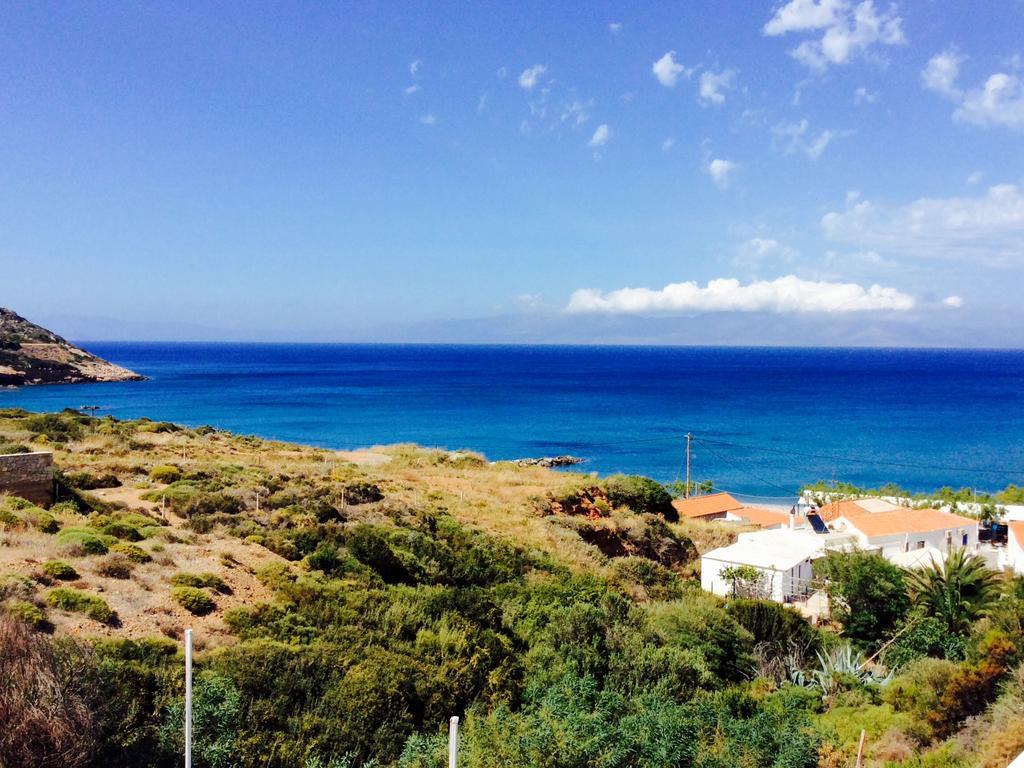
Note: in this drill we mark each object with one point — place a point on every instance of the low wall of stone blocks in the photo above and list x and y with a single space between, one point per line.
28 475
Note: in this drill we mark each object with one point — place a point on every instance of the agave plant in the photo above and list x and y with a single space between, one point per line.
957 592
833 667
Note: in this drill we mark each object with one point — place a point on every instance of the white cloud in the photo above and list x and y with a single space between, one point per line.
720 171
998 102
668 70
804 15
975 178
846 29
713 83
615 27
667 144
941 73
791 138
411 90
414 68
528 78
864 96
601 135
530 300
989 227
759 249
429 119
787 294
575 112
953 301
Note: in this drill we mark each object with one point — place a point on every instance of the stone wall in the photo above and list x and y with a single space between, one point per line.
29 475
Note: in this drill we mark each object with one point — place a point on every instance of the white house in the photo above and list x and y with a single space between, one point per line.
1015 546
900 530
782 556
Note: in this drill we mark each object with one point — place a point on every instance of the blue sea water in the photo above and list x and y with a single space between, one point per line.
764 420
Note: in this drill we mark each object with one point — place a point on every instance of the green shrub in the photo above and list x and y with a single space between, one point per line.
781 627
193 600
76 601
16 503
64 508
15 585
9 448
119 529
201 581
640 494
146 425
27 612
58 569
132 552
362 493
41 520
326 559
57 427
115 566
87 481
370 547
165 473
85 540
868 594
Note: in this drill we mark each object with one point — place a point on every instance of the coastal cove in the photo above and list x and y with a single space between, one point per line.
766 419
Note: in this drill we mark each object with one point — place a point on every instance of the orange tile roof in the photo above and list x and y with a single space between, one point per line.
1017 529
848 509
702 506
907 521
765 518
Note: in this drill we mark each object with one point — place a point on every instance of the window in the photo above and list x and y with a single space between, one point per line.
920 545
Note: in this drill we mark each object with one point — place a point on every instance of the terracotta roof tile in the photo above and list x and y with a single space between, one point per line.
765 518
702 506
907 521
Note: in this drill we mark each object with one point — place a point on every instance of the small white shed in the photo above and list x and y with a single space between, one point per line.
782 556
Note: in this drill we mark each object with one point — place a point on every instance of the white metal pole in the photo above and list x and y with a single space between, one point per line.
453 742
188 698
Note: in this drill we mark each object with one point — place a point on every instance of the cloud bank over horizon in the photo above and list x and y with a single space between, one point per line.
782 295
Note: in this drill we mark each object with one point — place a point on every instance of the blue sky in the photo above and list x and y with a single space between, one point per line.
804 172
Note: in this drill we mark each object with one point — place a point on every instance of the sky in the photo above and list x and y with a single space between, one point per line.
807 172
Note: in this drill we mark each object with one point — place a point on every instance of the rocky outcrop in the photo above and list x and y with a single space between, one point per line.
549 461
30 354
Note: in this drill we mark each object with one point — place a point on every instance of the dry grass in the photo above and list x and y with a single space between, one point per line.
499 499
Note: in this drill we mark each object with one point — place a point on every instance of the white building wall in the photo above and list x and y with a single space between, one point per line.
781 584
902 542
1015 553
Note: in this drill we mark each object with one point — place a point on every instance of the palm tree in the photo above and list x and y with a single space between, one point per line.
957 591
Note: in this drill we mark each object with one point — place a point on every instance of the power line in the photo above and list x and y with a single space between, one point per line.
853 460
747 470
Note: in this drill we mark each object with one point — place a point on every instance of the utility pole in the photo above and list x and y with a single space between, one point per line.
689 437
453 742
188 698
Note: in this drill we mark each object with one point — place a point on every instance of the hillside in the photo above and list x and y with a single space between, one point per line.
345 604
30 354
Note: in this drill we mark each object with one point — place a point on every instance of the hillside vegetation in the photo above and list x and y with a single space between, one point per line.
345 604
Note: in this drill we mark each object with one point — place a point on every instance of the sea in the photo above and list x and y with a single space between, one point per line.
762 421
